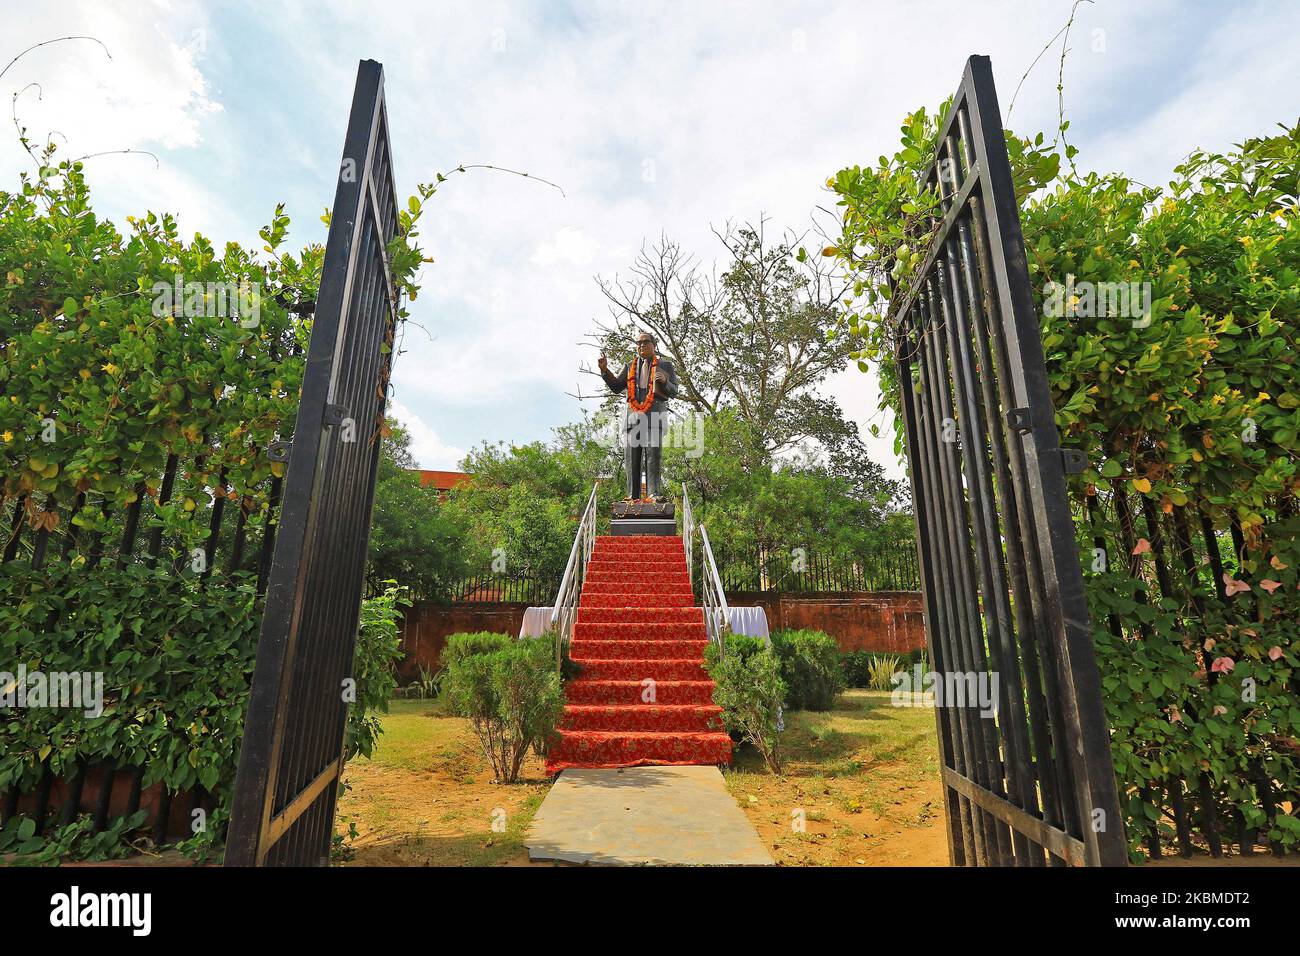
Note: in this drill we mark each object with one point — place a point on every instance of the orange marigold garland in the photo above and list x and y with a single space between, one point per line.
643 405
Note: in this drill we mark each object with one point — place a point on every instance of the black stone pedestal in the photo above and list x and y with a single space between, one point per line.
643 517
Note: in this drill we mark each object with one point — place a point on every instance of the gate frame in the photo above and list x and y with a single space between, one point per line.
985 825
256 827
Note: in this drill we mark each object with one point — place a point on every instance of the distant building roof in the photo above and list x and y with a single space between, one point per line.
442 480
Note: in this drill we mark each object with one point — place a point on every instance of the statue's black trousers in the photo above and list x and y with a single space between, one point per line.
642 449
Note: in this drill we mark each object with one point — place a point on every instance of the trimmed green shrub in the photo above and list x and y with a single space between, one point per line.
855 667
467 644
810 668
750 692
509 692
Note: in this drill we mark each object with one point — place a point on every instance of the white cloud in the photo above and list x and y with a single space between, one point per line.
654 118
427 448
570 246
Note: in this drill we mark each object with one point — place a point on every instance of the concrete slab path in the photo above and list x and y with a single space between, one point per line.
680 816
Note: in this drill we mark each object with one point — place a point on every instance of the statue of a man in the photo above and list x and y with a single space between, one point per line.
648 381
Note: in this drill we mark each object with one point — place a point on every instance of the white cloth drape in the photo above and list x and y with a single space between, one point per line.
751 621
536 621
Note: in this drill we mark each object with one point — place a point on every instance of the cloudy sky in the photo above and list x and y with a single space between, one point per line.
654 117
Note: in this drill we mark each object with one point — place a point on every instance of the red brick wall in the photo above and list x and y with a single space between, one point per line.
426 626
859 620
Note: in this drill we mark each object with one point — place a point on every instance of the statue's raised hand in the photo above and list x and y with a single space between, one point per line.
603 363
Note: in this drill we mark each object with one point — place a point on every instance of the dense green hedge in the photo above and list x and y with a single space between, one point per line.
810 668
102 379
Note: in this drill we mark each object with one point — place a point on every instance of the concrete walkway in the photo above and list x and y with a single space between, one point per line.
644 815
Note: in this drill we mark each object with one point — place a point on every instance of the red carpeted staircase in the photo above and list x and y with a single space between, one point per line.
643 696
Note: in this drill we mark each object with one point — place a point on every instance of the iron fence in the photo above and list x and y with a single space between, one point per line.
534 588
803 570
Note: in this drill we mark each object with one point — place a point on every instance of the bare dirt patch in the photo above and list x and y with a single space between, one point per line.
428 798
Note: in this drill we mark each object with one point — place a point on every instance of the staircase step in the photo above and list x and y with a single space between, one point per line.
640 557
640 668
646 631
641 632
638 540
595 586
596 748
658 718
632 614
647 650
669 580
671 547
611 692
635 599
649 562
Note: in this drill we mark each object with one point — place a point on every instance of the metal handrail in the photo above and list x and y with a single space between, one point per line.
565 612
712 597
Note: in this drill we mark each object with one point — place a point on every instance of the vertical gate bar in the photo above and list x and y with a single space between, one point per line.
132 525
164 495
954 804
383 324
105 797
997 610
946 657
1046 680
214 528
304 731
266 549
956 625
952 455
1009 476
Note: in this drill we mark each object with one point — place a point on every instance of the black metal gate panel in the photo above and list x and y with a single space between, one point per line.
1032 783
293 747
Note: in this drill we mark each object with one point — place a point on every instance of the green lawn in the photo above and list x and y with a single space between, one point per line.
862 779
428 798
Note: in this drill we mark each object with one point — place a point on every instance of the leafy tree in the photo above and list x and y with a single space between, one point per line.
414 538
751 503
522 507
759 338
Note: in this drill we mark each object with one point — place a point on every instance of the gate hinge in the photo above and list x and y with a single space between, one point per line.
1074 461
279 450
335 414
1020 420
